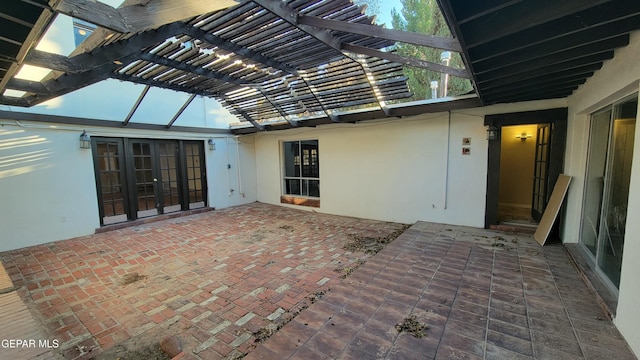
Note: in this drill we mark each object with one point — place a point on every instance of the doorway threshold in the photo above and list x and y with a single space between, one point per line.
515 227
151 219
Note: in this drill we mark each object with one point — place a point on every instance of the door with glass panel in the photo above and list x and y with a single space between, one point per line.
138 178
168 180
541 171
109 167
145 192
195 191
606 193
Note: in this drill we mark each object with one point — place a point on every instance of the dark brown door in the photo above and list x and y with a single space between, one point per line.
145 184
109 166
541 171
168 181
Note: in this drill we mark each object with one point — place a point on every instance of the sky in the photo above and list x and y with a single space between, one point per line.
385 11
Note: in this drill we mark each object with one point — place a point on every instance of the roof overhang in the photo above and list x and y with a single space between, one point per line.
537 49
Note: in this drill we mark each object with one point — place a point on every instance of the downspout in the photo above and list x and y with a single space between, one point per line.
446 170
229 169
240 190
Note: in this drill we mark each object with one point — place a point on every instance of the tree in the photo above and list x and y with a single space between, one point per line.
373 6
424 16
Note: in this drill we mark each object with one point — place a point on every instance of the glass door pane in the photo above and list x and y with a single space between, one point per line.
194 161
541 164
108 164
145 180
168 180
614 211
594 180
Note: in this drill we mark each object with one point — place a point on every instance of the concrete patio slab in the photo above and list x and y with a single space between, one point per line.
479 294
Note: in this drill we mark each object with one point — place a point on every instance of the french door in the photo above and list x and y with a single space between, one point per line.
541 171
606 193
138 178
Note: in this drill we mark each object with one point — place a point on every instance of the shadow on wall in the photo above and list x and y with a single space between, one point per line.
24 153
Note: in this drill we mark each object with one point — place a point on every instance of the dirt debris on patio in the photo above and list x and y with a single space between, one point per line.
219 281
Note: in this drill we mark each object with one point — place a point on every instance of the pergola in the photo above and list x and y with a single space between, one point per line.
282 64
264 60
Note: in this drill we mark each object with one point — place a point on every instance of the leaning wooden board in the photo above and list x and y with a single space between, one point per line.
552 210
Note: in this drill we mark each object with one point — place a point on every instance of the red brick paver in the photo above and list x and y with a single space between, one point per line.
211 279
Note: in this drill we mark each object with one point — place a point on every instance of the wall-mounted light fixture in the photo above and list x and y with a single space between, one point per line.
492 133
85 140
212 145
523 136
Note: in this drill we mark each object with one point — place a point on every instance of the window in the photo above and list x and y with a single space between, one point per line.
301 168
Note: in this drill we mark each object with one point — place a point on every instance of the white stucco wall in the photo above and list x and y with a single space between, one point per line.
618 78
401 170
231 171
48 185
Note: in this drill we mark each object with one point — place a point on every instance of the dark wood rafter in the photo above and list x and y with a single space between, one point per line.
501 23
163 85
197 70
544 54
38 19
598 23
101 63
275 105
433 41
533 50
334 118
291 16
462 73
136 105
237 49
135 18
28 86
181 110
55 62
373 84
520 72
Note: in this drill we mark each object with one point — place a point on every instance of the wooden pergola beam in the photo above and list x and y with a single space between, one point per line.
135 18
462 73
433 41
237 49
520 16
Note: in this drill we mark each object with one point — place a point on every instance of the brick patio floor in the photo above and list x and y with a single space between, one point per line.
217 280
211 279
483 295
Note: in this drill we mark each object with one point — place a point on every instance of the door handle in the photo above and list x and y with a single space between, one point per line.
155 180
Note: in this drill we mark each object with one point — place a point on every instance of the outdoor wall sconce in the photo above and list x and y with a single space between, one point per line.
523 136
85 141
492 133
212 145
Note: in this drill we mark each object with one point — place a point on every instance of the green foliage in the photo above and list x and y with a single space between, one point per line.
373 6
424 16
